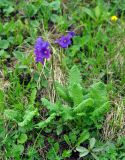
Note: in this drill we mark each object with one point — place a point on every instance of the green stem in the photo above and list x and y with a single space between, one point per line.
54 86
61 57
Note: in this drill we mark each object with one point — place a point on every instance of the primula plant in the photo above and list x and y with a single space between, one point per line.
79 110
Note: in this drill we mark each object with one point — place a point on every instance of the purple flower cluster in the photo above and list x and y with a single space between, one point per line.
42 50
65 41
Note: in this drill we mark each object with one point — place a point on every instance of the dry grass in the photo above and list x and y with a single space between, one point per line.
4 84
57 74
114 125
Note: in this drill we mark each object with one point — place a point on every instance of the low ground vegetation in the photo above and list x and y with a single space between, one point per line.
62 92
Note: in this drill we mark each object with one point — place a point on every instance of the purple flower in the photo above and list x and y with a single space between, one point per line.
45 53
65 41
42 50
71 34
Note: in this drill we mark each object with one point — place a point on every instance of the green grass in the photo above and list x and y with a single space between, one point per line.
41 114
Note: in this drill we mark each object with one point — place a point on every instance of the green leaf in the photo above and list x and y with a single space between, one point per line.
12 115
45 123
32 152
98 92
54 18
97 12
67 113
82 107
18 39
51 154
74 76
100 149
9 10
89 12
59 129
73 137
33 96
76 93
1 100
62 91
50 106
56 147
80 149
101 111
55 5
66 138
92 142
83 137
4 54
83 154
1 27
28 117
66 153
83 151
95 157
17 150
30 10
4 44
22 138
19 55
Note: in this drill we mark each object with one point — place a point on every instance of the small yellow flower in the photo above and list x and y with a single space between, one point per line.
114 18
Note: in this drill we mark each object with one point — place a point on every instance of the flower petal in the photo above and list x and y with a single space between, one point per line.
71 34
41 50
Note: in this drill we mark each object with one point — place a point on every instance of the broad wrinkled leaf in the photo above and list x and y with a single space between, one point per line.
101 110
98 149
45 123
76 93
74 76
99 93
62 91
55 5
92 142
80 149
33 96
83 151
50 106
12 115
67 113
4 44
83 137
28 117
95 157
82 107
